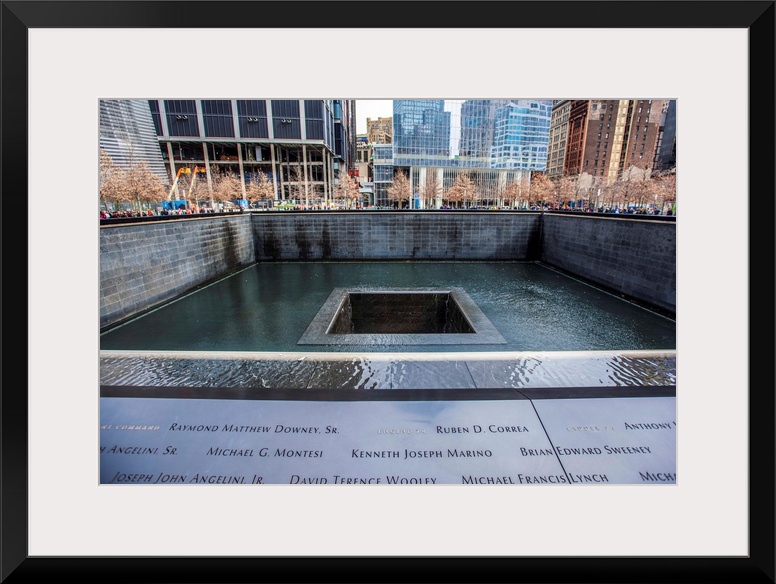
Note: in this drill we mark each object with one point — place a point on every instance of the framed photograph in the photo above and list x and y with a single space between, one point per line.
714 58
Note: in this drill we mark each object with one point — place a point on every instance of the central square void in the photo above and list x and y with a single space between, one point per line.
399 313
423 316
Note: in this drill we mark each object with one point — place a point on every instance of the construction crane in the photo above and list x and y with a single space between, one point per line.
184 170
197 170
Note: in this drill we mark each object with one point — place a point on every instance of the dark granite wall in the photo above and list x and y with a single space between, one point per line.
403 235
142 265
636 258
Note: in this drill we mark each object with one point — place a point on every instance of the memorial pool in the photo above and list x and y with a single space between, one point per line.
521 345
268 306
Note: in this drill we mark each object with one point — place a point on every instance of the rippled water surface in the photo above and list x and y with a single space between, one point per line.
268 306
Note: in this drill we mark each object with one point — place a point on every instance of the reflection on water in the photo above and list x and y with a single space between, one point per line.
597 369
268 306
642 371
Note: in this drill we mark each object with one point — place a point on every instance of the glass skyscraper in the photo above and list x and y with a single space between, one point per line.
477 121
493 141
421 132
521 134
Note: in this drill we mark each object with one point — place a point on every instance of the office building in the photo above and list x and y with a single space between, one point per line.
379 131
302 145
127 135
610 138
521 134
559 121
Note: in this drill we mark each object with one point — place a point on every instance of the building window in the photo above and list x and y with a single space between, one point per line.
314 119
217 117
252 118
285 118
154 105
181 117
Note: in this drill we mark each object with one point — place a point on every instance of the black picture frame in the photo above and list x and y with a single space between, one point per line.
755 16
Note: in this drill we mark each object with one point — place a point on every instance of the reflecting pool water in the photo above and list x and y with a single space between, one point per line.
268 307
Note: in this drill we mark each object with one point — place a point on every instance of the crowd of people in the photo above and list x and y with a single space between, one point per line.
236 209
163 212
618 210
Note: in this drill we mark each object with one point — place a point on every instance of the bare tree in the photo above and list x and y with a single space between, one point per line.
598 189
665 189
468 189
141 185
566 189
400 189
586 187
110 181
515 191
462 190
347 189
297 185
643 192
582 190
628 188
354 194
317 192
452 196
617 193
226 185
542 189
429 190
260 188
